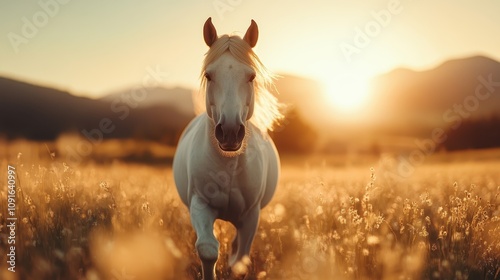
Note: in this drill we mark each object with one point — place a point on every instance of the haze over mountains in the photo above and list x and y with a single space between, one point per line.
434 97
402 102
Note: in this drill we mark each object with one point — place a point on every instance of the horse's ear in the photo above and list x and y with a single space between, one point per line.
252 34
209 32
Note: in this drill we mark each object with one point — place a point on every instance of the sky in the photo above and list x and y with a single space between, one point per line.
95 47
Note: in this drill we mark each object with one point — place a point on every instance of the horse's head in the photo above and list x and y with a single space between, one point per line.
229 81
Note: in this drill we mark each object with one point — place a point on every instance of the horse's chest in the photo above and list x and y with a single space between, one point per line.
231 190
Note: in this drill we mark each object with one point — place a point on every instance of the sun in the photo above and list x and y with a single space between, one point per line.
347 92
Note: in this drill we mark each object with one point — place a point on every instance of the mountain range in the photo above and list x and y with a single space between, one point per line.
41 113
438 96
403 102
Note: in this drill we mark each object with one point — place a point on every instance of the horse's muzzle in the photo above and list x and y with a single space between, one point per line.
230 137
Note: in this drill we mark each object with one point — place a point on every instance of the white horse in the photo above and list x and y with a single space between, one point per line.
226 166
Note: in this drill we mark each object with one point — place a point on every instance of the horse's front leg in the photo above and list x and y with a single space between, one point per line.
244 237
203 218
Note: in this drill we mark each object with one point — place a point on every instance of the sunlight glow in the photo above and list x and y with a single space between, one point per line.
347 92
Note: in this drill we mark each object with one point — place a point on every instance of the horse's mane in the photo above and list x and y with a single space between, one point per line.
267 108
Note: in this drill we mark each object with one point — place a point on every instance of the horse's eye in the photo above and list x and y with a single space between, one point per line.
207 76
252 78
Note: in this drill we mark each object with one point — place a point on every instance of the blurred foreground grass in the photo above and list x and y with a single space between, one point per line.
125 221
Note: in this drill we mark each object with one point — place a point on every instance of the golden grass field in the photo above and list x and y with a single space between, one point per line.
326 221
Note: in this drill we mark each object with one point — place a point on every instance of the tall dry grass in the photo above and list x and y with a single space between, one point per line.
125 221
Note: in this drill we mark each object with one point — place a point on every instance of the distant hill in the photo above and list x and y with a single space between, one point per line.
404 104
41 113
405 97
180 98
407 104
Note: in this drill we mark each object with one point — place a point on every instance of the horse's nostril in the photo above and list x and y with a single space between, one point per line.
241 133
219 133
